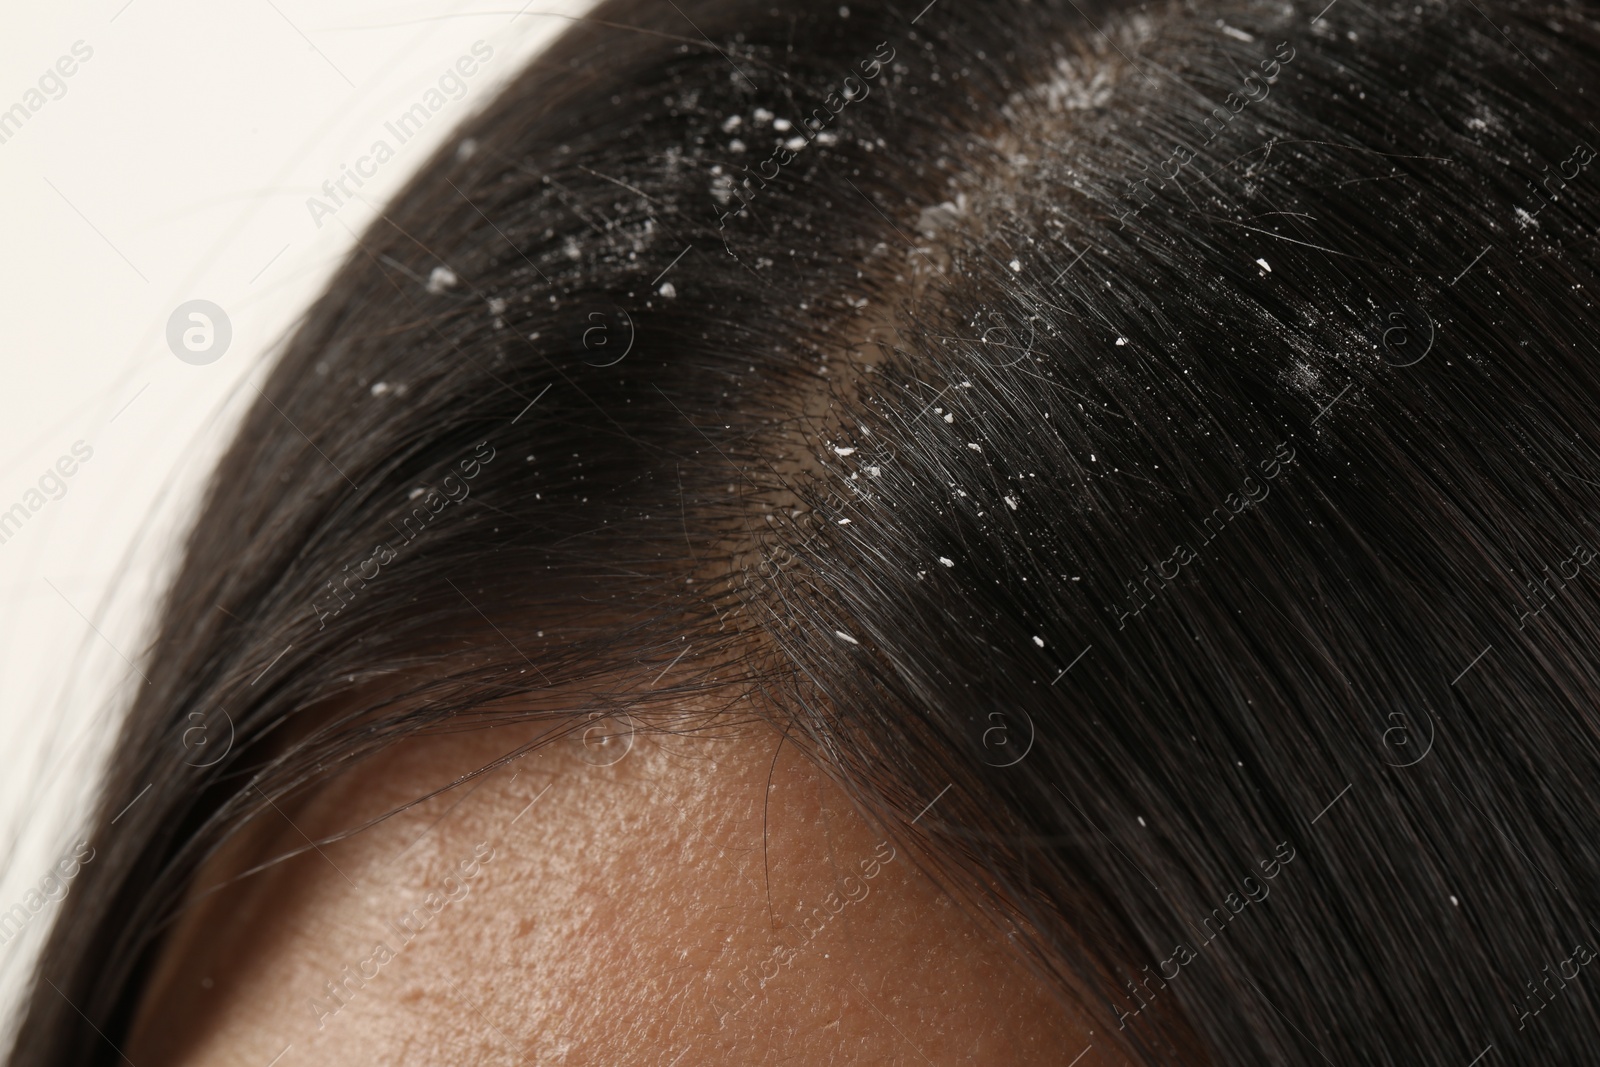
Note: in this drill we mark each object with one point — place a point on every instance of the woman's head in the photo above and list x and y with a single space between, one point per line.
1131 462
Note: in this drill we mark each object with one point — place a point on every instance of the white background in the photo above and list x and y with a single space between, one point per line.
176 166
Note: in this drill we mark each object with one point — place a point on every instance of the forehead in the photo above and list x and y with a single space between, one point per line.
629 899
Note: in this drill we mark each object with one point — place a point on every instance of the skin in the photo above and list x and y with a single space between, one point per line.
605 928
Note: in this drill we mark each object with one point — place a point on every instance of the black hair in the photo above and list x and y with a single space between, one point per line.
1143 453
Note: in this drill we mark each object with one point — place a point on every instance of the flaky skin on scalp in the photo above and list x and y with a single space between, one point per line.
1203 396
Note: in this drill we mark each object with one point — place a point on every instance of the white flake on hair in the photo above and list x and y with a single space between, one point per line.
1302 377
947 561
440 279
1075 87
932 219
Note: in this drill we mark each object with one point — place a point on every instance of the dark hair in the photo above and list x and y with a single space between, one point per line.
1203 400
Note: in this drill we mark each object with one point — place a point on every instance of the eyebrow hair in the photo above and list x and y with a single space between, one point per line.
1198 404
